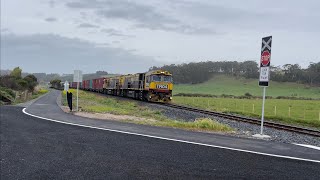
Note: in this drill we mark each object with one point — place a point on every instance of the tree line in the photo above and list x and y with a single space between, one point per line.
14 82
198 72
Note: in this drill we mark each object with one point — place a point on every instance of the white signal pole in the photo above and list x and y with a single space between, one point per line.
262 113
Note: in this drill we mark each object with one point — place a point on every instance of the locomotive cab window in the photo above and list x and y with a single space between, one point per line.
156 78
167 78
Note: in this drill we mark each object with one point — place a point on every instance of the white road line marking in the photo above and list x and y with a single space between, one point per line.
176 140
308 146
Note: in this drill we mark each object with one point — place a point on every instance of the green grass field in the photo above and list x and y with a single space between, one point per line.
301 112
226 85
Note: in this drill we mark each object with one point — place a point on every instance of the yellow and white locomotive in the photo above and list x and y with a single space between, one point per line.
158 85
155 85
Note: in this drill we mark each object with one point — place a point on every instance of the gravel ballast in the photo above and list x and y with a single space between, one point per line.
242 129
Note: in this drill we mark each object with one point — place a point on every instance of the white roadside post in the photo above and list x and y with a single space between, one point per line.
264 76
77 77
66 88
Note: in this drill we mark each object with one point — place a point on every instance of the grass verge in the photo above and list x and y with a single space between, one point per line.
94 103
201 123
296 112
34 95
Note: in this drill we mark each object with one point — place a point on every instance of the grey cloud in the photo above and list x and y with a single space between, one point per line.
185 29
255 15
53 53
50 19
115 42
114 32
52 3
4 30
87 25
82 4
83 15
143 16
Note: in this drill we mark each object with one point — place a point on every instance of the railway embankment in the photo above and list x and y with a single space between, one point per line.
100 106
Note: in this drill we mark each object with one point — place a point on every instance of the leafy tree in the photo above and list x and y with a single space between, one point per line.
101 73
16 72
9 82
55 83
22 84
249 69
292 72
32 81
313 73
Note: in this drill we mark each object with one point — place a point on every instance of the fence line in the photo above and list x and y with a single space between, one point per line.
296 110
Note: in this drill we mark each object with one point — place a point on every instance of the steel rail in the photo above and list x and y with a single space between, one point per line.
275 125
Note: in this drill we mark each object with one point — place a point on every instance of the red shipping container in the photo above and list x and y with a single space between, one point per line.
83 84
74 85
87 84
98 84
94 84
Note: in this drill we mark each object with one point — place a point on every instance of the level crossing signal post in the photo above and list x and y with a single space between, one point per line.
264 76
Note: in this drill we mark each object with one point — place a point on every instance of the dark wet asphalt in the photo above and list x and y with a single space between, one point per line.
33 148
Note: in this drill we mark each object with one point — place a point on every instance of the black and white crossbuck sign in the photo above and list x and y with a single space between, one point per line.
265 61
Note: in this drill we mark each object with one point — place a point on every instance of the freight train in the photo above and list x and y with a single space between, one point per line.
152 86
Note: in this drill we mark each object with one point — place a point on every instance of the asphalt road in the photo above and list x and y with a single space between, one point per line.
47 106
33 148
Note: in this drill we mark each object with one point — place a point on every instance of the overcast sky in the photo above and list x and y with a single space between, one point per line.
131 36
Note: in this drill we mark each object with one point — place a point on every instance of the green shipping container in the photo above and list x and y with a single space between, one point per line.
90 84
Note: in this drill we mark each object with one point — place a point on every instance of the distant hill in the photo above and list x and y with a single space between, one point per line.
232 86
4 72
43 77
85 76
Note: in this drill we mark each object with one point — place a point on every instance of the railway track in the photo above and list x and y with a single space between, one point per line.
275 125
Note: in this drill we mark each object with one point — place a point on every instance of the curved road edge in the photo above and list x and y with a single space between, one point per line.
170 139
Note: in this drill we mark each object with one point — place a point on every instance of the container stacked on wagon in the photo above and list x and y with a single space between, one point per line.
153 86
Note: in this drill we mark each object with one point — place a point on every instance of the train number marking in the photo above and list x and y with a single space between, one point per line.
161 86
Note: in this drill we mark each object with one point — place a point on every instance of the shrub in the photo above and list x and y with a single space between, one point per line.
9 82
9 91
206 123
6 95
23 84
